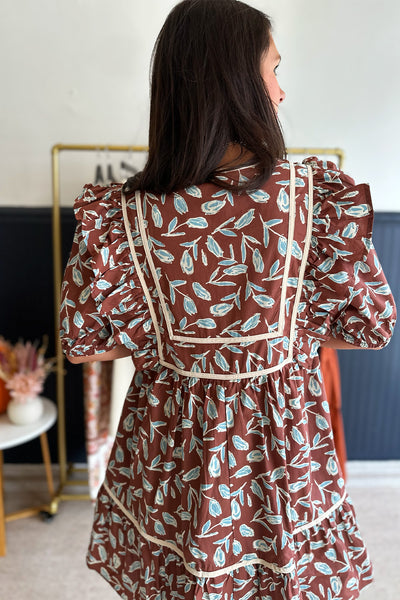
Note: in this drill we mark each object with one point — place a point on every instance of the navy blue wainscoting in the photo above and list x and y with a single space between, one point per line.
371 378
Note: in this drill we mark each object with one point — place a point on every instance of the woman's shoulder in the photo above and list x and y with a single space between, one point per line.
97 199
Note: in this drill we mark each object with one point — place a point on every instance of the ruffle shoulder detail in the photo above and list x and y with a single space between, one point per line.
115 286
342 215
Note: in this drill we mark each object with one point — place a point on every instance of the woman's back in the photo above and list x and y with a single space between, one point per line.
223 478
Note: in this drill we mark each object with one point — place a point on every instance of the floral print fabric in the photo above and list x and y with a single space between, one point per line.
223 482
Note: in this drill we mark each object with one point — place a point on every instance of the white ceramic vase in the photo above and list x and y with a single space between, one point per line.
25 413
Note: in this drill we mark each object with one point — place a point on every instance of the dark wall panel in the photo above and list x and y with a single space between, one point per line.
370 385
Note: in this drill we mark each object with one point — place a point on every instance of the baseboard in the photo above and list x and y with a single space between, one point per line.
373 473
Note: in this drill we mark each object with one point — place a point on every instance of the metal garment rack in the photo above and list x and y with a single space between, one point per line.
65 469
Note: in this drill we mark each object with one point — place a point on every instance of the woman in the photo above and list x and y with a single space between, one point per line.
221 269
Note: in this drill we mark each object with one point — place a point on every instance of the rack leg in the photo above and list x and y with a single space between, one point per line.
3 547
47 463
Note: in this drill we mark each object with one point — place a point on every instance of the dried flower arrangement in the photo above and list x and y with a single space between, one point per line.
24 368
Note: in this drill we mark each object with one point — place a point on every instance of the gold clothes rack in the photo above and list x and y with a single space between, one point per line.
65 469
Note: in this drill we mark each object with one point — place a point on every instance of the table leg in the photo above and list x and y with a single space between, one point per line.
3 547
47 463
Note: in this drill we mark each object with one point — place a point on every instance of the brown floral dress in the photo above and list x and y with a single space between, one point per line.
223 482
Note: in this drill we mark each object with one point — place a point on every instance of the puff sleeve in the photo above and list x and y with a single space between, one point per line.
102 302
347 291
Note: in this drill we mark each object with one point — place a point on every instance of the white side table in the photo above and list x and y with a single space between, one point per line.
14 435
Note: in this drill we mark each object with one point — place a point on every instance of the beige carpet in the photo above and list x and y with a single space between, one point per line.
46 560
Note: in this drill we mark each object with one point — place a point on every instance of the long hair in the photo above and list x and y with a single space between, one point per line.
206 92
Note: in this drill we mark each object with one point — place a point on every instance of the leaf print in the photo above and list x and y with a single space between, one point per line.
236 512
78 320
264 301
197 223
243 472
212 409
282 246
296 251
322 423
283 201
257 490
159 528
247 401
236 547
224 491
200 291
197 553
274 519
164 256
331 466
169 519
180 204
278 473
102 284
246 531
214 467
314 386
192 474
187 263
221 362
340 277
259 196
213 206
189 306
236 270
84 295
214 247
323 568
358 211
297 435
258 261
206 323
239 443
105 254
350 231
194 191
251 323
77 277
336 584
172 224
214 508
219 310
245 219
297 486
219 558
156 216
256 456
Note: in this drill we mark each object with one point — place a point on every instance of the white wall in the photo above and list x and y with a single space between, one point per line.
77 71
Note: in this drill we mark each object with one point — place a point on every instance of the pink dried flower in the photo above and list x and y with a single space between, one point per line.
24 368
23 386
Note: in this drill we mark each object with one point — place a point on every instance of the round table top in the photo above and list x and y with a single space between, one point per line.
13 435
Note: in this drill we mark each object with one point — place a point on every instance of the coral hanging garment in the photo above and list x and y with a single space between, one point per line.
223 482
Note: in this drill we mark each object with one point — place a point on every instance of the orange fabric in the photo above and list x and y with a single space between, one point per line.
4 396
331 377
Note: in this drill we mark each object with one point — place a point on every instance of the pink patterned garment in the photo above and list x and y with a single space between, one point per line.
223 482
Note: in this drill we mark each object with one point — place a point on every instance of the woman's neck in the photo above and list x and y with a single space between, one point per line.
235 156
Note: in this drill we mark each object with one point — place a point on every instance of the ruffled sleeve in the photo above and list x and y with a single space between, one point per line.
346 288
102 303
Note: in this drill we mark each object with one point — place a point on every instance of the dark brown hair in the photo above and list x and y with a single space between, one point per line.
206 92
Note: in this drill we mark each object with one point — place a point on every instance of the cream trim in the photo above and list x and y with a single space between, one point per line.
231 376
288 258
140 275
146 247
178 551
303 264
321 517
222 339
230 340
